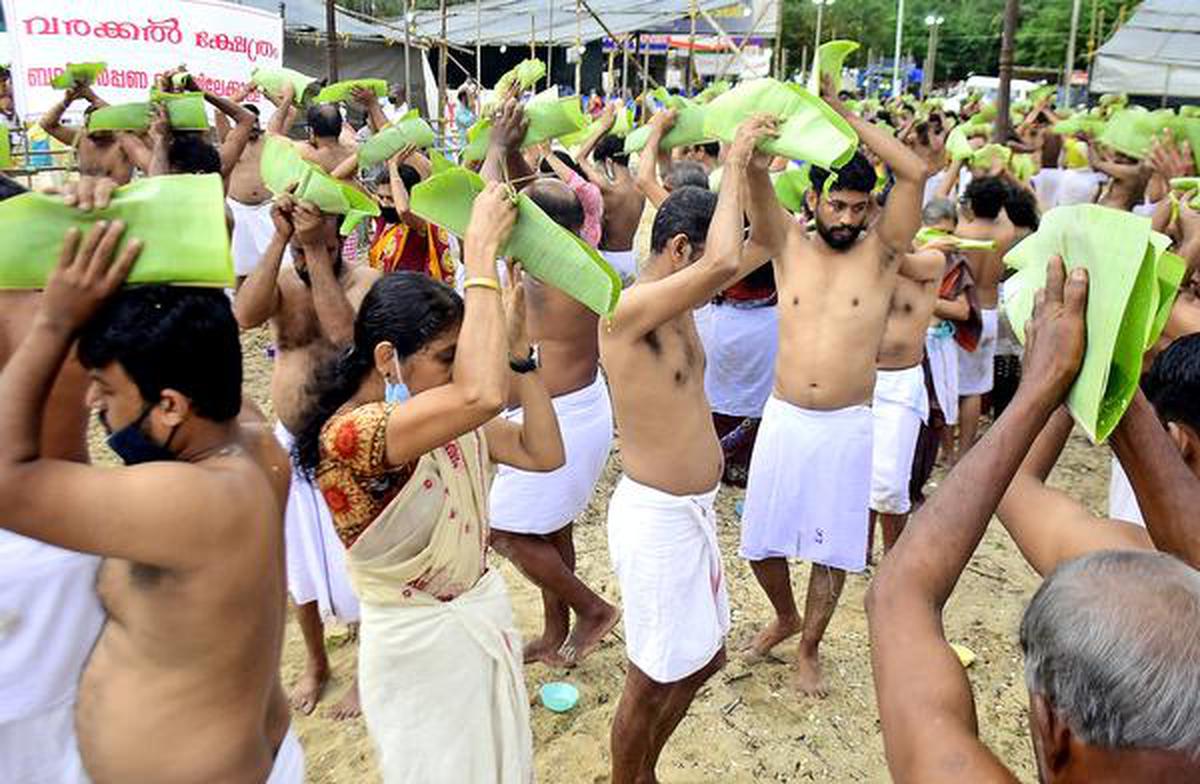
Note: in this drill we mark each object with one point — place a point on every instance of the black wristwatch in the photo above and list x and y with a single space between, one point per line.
526 365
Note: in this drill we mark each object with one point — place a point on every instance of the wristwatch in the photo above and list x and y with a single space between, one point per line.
526 365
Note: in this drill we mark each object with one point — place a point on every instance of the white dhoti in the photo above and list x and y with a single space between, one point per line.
442 690
809 486
252 233
1122 501
901 404
50 618
977 369
289 761
526 502
740 344
664 552
624 262
942 353
316 557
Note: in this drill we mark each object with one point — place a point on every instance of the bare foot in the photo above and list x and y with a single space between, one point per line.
808 679
308 690
779 630
348 706
545 651
587 634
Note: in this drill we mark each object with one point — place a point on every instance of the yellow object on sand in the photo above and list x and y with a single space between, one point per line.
964 654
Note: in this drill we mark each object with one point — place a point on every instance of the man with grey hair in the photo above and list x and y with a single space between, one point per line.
1111 640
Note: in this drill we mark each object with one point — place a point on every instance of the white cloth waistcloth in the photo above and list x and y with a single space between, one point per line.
901 404
942 353
665 554
41 749
809 486
740 345
624 262
316 557
1122 501
977 369
252 233
442 690
289 761
527 502
50 617
1078 186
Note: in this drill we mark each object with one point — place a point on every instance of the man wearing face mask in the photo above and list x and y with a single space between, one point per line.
187 661
310 304
810 475
402 240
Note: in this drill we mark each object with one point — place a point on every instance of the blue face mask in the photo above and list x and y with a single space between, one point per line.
132 445
396 391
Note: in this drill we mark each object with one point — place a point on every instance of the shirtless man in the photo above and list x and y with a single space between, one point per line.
183 683
623 201
809 483
247 195
982 217
533 513
661 526
324 145
310 304
901 402
101 153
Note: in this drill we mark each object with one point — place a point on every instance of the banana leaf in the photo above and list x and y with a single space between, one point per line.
830 57
1132 281
77 75
527 73
958 145
1042 93
622 125
186 111
986 114
927 234
1132 131
987 155
712 91
121 117
549 118
272 80
344 91
408 130
547 251
1190 187
1022 167
282 168
1078 124
1111 103
809 129
6 161
688 129
791 186
1187 129
1077 157
438 162
180 218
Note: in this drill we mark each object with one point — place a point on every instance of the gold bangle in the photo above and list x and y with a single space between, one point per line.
481 283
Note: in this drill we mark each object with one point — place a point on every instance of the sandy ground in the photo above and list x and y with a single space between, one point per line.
747 725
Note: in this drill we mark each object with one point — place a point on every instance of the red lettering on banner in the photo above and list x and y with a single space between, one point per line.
159 31
252 48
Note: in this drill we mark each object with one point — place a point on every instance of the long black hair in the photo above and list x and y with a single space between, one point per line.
406 309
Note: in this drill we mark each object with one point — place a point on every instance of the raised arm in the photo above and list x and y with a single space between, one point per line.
160 139
504 162
770 223
283 118
335 314
369 103
584 158
396 185
135 150
925 702
51 121
257 298
234 143
648 160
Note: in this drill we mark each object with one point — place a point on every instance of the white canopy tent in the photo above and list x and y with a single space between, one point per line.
1156 53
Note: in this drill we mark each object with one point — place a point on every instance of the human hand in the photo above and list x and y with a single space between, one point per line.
1170 160
1189 221
160 123
73 94
509 125
86 275
492 217
401 156
309 223
281 215
663 121
608 117
1056 334
830 96
364 97
514 311
89 193
744 151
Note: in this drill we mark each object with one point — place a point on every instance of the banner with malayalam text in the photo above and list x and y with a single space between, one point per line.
219 42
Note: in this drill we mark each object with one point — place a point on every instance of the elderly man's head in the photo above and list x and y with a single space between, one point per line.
1112 662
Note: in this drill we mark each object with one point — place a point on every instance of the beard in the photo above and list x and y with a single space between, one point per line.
839 237
389 215
302 272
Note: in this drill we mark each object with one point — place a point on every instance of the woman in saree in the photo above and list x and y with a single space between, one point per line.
402 441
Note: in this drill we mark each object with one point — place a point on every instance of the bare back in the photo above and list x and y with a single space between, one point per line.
833 307
183 683
567 338
245 182
327 155
987 266
623 205
657 384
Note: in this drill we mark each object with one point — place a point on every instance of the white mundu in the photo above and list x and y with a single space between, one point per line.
740 344
253 230
624 262
942 353
977 369
528 502
901 404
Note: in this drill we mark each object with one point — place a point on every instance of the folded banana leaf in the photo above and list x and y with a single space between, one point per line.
547 251
791 186
958 146
809 129
186 111
344 91
549 118
77 75
927 234
1190 187
527 74
408 130
1132 131
688 128
1042 93
1022 167
6 161
282 168
987 155
830 57
272 80
179 218
121 117
986 114
1080 124
622 125
1132 284
1187 129
712 91
1113 102
1077 157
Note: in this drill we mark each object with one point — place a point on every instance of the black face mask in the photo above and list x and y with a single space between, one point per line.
132 445
389 215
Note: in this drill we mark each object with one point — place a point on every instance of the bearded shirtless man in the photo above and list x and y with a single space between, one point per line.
982 217
623 200
311 305
532 513
809 482
182 685
661 526
901 402
101 153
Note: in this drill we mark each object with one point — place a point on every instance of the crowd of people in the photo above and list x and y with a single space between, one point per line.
436 406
